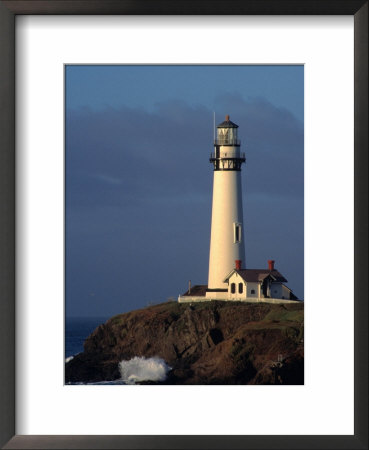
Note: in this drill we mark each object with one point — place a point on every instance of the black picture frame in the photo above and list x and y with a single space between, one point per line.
8 11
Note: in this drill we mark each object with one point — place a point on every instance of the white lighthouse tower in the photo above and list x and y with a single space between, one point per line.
227 246
228 277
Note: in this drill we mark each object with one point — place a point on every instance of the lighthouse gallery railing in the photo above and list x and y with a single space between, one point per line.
214 156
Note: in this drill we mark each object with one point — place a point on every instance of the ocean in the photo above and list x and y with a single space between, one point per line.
77 329
137 369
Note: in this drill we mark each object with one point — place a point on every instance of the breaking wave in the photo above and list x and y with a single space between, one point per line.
143 369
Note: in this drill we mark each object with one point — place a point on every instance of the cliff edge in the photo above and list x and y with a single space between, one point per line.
203 343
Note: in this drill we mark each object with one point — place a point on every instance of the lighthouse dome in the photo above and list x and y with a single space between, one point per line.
227 123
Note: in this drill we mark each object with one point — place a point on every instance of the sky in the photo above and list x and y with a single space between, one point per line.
139 181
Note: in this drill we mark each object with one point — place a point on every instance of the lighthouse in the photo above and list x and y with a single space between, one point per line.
227 245
229 280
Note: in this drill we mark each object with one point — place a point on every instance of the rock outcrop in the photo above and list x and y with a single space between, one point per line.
204 343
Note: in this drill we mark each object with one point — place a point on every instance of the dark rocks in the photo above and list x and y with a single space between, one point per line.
204 343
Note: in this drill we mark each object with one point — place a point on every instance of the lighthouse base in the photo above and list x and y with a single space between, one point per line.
217 294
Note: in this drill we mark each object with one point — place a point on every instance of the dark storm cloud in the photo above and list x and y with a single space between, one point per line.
123 156
116 157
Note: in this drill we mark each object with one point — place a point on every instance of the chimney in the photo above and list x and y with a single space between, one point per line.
189 286
271 264
238 264
227 117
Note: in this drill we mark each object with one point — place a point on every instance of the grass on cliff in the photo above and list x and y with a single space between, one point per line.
277 313
283 314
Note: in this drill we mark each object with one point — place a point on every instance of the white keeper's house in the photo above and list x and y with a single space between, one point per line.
229 279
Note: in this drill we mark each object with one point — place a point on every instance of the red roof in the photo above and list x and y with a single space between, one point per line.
199 290
254 275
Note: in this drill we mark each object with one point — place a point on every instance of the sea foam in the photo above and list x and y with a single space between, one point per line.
143 369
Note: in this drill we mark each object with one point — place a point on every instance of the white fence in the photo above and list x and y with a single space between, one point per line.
190 299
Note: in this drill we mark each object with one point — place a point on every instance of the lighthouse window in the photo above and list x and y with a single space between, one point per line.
240 288
233 288
237 233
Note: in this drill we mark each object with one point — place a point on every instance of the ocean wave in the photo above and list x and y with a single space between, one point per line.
134 371
143 369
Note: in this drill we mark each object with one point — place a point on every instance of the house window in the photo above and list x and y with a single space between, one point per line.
252 291
237 233
233 288
240 288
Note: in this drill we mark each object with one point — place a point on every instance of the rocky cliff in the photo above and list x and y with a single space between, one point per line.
204 343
